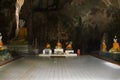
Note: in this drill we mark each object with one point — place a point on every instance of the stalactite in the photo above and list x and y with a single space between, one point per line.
19 4
107 2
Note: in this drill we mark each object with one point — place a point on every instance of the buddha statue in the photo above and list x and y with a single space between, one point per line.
69 48
59 45
48 46
58 49
1 43
116 47
47 49
21 37
22 34
2 47
69 45
103 46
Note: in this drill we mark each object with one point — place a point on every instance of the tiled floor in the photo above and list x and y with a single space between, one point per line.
70 68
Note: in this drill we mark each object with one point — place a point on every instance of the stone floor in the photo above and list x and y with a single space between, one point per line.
69 68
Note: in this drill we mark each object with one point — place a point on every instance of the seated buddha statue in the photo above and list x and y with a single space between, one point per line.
1 43
22 34
48 46
103 46
69 48
58 49
69 45
116 47
2 47
47 49
59 45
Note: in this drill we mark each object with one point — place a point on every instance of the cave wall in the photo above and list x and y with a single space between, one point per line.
81 21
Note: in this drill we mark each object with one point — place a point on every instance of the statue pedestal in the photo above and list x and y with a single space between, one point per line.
69 52
58 51
18 48
47 51
4 55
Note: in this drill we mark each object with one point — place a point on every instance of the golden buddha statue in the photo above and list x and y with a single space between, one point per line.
59 45
69 45
103 46
116 47
21 37
2 47
22 34
48 46
1 43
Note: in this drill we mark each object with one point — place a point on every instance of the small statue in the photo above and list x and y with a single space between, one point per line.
58 49
1 43
116 47
2 47
103 46
69 48
47 50
48 46
59 45
69 45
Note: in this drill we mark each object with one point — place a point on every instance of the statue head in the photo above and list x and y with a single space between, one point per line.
70 42
22 22
115 40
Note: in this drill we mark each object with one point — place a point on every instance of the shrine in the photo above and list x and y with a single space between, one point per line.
59 39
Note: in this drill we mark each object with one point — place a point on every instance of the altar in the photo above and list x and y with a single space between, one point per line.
58 55
18 48
4 55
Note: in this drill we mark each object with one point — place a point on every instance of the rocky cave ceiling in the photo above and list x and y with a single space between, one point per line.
58 4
